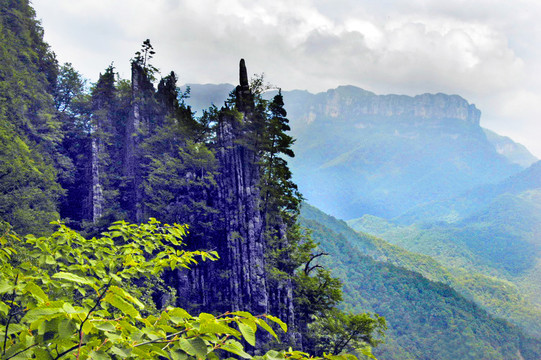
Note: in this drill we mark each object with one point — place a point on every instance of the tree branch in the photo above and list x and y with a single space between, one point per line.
308 268
67 351
23 350
98 300
11 314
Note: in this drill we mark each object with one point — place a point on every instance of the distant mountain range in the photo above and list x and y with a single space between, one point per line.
498 232
360 153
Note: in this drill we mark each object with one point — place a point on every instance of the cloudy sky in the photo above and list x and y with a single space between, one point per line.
488 51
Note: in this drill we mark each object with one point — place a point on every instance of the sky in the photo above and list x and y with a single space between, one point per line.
487 51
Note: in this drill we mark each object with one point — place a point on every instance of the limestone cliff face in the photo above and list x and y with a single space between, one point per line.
385 155
239 280
137 124
426 106
239 200
96 197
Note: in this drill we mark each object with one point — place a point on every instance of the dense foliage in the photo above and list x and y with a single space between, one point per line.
29 131
490 257
447 326
66 296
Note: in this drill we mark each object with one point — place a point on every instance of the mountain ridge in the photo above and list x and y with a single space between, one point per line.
447 324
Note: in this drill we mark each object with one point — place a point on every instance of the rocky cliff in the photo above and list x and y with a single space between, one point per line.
426 106
385 154
239 199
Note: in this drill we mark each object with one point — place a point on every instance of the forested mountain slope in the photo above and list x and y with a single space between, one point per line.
445 324
500 241
29 132
474 200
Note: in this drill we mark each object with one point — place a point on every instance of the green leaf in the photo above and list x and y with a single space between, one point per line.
274 355
236 348
120 352
267 327
178 355
5 286
66 328
74 278
69 309
206 317
98 355
124 294
42 354
248 333
14 328
52 308
121 304
278 321
217 327
4 308
105 326
245 314
36 292
195 346
177 315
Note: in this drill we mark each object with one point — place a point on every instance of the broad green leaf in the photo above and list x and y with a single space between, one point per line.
14 329
121 304
250 322
99 355
105 326
278 321
267 327
217 327
36 292
245 314
178 355
5 286
72 277
13 349
69 309
88 327
52 308
124 294
177 315
206 317
66 328
42 354
236 348
120 352
274 355
4 308
248 333
194 346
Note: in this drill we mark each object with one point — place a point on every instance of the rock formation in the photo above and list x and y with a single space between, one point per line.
243 246
137 125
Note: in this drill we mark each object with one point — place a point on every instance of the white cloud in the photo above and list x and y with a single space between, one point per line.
487 50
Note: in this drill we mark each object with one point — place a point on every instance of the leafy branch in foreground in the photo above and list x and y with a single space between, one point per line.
65 296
